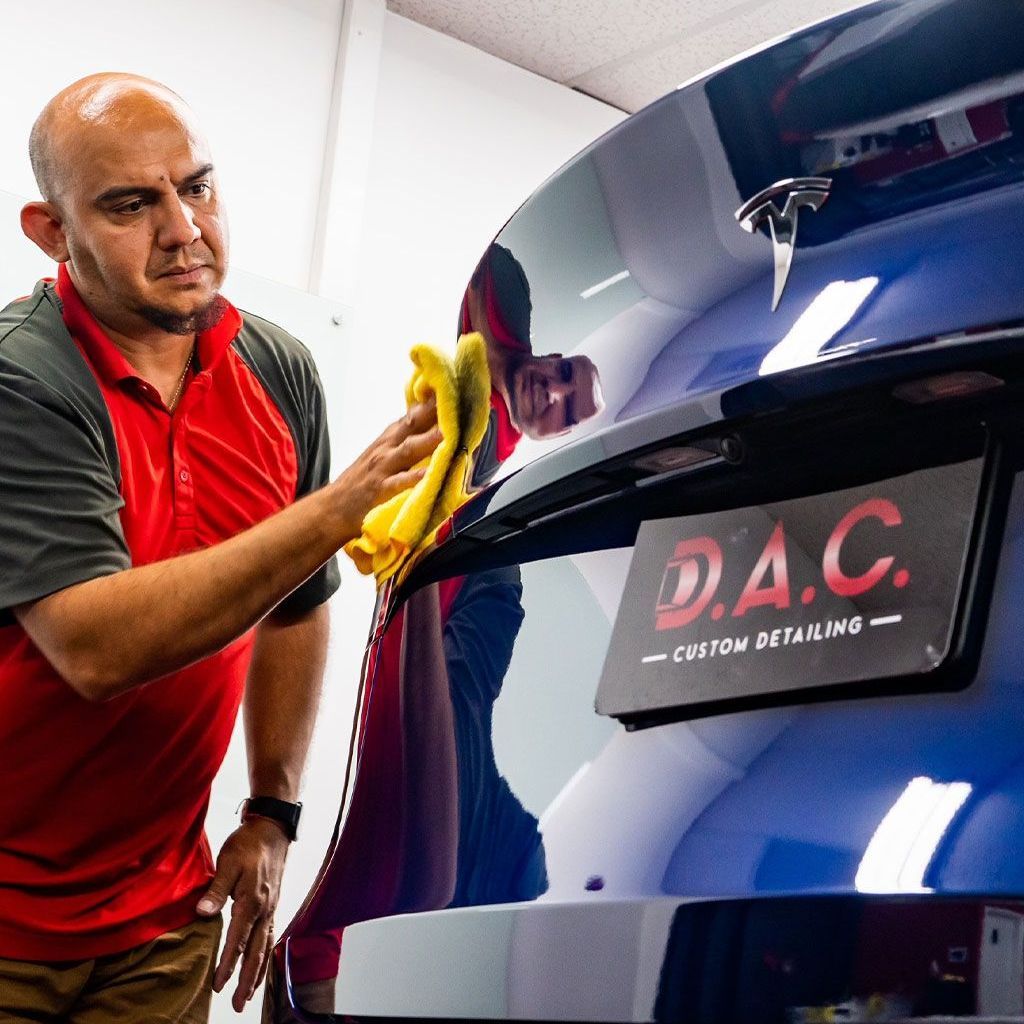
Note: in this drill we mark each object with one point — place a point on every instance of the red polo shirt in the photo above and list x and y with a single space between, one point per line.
102 807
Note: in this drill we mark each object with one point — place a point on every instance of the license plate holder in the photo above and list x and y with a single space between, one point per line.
861 591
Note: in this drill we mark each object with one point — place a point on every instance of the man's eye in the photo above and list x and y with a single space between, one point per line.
133 207
198 188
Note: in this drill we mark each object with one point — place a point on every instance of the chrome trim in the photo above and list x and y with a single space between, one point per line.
782 224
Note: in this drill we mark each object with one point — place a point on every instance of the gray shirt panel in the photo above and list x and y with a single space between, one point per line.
285 368
59 470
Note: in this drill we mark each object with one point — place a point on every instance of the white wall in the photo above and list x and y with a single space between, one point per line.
445 142
257 72
459 140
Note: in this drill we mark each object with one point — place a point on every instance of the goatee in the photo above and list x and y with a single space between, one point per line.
190 323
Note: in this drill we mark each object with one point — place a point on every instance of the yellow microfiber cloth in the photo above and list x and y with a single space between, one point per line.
408 521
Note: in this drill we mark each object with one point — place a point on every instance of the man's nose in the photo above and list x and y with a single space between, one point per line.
177 227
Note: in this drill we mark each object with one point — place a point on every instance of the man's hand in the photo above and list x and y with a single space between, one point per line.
249 870
388 466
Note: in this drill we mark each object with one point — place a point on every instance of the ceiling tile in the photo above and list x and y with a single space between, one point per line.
641 78
625 53
565 39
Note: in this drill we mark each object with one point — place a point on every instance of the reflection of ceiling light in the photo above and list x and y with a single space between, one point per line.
818 324
590 292
905 841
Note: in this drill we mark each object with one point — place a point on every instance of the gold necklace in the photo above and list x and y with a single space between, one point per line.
171 405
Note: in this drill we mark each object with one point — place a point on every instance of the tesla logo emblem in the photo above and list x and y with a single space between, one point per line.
754 212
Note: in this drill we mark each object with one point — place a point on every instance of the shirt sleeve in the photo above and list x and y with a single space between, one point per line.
316 473
286 369
59 501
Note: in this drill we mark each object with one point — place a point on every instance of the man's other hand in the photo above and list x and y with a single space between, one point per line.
249 870
386 468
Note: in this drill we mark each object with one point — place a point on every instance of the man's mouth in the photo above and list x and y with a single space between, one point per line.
185 275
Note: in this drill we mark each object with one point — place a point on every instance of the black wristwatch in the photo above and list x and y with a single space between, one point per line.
284 813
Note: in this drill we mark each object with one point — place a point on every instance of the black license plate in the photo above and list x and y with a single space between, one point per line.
856 586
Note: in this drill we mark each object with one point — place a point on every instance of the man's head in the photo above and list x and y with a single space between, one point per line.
549 395
129 203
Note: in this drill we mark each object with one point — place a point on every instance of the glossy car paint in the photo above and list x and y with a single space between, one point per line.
506 853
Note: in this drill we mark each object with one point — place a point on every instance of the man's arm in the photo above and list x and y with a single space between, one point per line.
281 697
110 634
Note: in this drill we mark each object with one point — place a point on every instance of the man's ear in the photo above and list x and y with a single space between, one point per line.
42 223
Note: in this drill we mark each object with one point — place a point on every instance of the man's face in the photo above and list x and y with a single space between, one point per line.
550 394
146 235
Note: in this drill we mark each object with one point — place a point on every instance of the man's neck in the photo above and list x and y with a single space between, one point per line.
152 351
145 340
155 354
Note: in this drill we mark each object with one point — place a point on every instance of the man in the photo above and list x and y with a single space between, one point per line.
167 534
540 396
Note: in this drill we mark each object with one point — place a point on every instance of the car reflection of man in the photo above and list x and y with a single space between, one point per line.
445 829
167 533
500 852
459 639
540 396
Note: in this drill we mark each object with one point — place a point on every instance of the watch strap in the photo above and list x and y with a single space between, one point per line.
285 814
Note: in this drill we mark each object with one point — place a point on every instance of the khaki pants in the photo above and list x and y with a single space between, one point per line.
167 980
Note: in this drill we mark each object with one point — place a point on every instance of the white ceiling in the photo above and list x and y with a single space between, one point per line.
625 52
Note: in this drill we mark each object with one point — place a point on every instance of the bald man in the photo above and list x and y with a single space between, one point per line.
167 533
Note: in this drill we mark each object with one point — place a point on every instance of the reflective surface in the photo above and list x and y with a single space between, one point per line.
539 395
510 789
505 851
777 961
914 112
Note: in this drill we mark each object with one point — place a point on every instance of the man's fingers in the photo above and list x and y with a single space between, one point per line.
407 453
266 959
258 849
421 416
235 944
213 900
385 468
412 425
252 964
417 447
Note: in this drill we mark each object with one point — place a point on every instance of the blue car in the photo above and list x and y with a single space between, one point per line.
709 705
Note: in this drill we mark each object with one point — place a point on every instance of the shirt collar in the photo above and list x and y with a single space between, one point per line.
106 357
